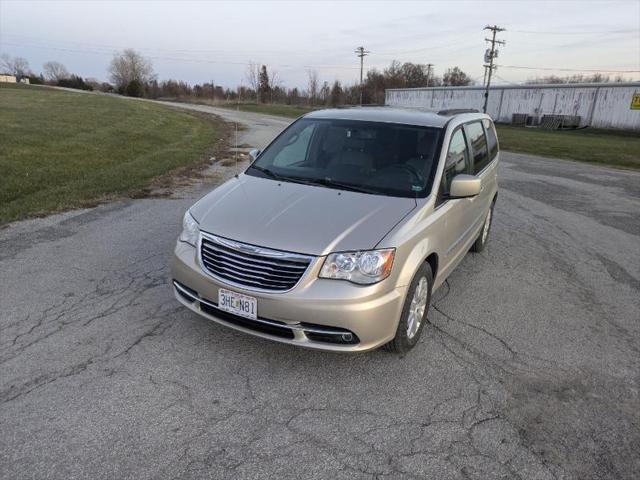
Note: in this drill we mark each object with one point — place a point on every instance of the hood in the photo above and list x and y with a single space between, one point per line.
313 220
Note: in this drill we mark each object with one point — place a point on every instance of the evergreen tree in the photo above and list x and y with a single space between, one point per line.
263 84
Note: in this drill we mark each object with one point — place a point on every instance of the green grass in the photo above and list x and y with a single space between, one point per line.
60 149
606 147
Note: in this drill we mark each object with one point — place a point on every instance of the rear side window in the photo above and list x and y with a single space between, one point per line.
492 140
478 144
457 160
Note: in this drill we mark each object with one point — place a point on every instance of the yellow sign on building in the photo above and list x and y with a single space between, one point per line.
635 101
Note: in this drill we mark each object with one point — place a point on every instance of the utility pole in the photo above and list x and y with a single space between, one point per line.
489 56
429 67
361 52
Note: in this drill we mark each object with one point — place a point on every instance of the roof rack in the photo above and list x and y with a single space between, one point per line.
363 105
457 111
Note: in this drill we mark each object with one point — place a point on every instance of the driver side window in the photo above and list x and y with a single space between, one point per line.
457 160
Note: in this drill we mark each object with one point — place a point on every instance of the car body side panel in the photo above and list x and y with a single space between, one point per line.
448 229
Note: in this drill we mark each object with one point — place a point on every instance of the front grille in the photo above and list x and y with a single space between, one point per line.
271 328
251 267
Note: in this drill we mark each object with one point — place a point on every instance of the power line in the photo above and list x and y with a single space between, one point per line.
181 59
568 69
489 56
112 47
508 81
104 52
361 52
593 32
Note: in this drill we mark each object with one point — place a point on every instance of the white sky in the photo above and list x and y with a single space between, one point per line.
204 41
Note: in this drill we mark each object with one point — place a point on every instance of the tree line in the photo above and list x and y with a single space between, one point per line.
53 73
131 74
579 78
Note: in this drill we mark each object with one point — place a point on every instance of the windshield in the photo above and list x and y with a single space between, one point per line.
369 157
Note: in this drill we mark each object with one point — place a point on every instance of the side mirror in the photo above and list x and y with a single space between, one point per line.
253 154
463 186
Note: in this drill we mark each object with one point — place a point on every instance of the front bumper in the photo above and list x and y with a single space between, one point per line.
317 313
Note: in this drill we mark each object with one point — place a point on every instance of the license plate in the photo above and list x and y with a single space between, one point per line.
238 303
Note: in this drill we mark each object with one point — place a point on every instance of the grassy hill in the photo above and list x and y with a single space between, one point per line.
62 149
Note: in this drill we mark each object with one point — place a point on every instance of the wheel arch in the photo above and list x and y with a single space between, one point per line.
432 260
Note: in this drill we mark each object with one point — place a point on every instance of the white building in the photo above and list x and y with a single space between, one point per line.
599 105
6 78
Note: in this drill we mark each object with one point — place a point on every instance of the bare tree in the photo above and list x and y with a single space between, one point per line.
455 77
276 83
312 86
130 66
6 64
325 92
17 66
55 71
336 94
578 78
252 76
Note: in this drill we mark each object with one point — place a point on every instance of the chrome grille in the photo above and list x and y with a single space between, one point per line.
249 266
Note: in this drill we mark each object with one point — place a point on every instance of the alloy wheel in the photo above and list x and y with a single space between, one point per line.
485 229
417 307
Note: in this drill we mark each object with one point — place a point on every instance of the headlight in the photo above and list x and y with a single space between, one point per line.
364 267
190 230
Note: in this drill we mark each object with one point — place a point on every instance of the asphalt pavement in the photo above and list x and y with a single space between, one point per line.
528 369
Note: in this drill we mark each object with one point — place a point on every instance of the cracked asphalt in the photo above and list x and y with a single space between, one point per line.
528 369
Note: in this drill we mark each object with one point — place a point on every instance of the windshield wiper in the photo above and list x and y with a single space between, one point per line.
328 182
269 173
282 178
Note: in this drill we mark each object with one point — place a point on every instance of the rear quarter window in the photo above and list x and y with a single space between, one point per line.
478 141
492 139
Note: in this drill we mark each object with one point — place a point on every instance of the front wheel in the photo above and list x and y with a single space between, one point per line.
414 311
481 241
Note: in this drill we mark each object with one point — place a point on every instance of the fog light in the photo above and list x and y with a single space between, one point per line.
347 337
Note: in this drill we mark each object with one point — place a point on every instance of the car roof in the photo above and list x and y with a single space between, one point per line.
405 116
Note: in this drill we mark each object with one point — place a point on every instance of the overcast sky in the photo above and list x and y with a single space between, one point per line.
204 41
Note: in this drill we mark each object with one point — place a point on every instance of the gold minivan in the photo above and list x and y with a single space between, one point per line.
338 232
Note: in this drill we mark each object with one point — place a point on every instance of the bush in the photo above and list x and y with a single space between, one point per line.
36 79
74 81
105 87
134 89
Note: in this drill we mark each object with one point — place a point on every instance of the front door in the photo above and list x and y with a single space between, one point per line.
459 215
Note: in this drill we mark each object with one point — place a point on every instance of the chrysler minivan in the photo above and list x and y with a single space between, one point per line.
338 232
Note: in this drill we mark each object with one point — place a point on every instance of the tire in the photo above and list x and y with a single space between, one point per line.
404 341
483 236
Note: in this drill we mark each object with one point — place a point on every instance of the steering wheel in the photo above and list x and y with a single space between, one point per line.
407 167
